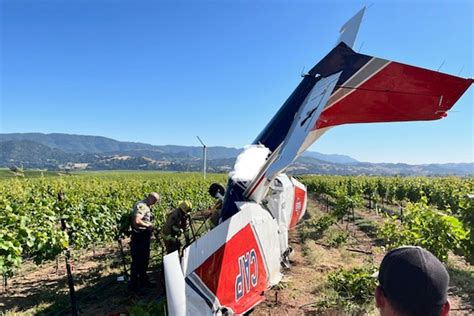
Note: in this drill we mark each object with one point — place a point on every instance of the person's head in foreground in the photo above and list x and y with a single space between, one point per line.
412 282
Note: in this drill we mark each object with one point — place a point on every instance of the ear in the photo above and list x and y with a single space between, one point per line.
446 308
380 300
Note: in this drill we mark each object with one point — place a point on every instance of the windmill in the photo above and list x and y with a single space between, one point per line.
204 156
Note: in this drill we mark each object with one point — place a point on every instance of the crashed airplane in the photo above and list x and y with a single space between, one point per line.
228 270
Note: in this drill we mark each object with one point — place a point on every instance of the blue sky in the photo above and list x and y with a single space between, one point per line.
162 72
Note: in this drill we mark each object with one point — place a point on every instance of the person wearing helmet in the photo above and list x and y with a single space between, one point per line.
142 228
175 226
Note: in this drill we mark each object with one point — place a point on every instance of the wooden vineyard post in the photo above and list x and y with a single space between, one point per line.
122 254
162 248
5 282
192 231
70 280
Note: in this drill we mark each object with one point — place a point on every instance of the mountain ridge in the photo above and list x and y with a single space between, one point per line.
75 152
88 144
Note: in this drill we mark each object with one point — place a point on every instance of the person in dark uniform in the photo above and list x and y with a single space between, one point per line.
217 191
142 228
175 226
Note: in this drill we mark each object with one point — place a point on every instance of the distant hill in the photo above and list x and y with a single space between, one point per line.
305 165
102 145
30 154
63 151
77 143
330 157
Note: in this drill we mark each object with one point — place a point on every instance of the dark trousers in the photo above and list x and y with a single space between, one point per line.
140 249
172 244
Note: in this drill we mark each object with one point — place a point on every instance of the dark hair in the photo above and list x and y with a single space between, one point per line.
420 310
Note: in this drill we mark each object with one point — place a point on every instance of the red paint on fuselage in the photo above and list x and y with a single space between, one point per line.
298 204
220 272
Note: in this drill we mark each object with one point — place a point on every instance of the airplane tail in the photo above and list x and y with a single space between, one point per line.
346 87
374 90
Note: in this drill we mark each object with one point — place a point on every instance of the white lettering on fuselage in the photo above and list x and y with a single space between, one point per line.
248 274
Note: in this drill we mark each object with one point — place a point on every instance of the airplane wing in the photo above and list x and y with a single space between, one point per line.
301 125
305 119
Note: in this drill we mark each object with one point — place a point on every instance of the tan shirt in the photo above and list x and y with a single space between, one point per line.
143 210
174 222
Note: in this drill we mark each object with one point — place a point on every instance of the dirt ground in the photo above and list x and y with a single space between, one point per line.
304 285
43 290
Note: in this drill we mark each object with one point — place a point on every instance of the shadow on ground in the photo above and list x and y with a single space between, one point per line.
462 284
99 293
